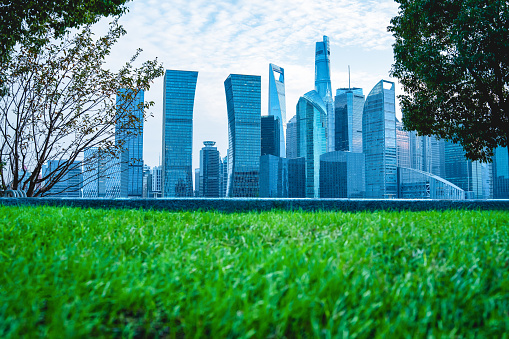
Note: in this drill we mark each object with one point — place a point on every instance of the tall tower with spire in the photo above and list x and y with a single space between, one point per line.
323 86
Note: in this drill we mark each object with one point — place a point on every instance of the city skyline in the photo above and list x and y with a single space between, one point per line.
221 39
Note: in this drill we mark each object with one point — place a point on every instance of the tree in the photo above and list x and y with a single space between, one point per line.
27 21
452 58
61 102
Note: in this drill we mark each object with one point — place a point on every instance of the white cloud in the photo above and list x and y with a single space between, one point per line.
222 37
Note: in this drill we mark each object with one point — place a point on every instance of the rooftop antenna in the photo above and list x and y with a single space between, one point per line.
349 77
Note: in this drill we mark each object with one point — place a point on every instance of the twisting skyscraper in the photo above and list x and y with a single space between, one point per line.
277 102
323 87
178 98
243 100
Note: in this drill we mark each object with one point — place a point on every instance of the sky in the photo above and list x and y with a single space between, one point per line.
218 38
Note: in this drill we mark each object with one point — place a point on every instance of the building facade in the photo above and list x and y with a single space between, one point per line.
296 178
270 137
348 109
68 185
129 136
178 100
501 173
342 175
324 89
273 176
379 141
474 178
311 138
210 175
94 173
291 138
243 101
277 103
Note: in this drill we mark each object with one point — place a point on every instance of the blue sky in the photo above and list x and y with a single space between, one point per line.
217 38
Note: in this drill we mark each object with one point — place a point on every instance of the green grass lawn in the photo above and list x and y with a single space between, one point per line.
68 272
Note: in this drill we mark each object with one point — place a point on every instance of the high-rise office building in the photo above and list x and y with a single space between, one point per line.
501 173
197 182
349 105
94 173
277 102
224 176
129 136
402 146
270 137
291 138
342 175
178 100
311 138
243 100
68 185
273 176
324 88
297 177
473 177
433 155
156 181
209 171
147 182
379 141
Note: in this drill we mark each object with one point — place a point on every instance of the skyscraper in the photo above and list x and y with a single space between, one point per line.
323 87
349 105
379 141
501 173
178 98
94 173
68 185
129 135
342 175
311 138
291 138
243 100
209 170
473 177
270 137
277 102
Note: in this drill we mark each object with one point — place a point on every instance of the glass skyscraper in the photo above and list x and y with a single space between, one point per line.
270 137
342 175
243 101
379 141
277 102
178 97
68 185
324 88
501 173
291 138
349 105
273 176
311 138
210 175
94 173
129 135
474 178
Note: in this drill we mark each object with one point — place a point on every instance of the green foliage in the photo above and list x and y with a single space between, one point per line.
95 273
28 21
452 58
61 102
